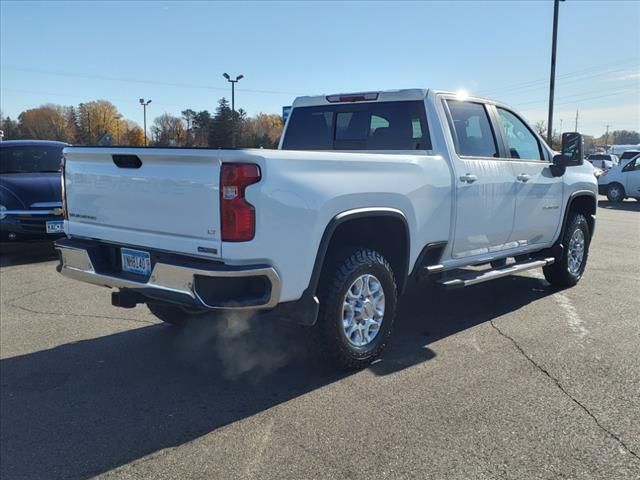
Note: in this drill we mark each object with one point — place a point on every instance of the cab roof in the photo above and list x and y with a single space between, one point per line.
378 96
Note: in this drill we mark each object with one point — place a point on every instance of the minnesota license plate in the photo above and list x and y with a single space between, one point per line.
55 226
135 261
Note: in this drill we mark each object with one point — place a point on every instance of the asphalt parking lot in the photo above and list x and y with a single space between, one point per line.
508 379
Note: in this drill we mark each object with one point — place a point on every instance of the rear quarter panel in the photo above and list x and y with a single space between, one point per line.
301 192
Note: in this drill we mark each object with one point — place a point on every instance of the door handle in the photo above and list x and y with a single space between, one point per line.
523 177
468 177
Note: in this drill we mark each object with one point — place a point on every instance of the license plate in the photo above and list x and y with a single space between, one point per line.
55 226
135 261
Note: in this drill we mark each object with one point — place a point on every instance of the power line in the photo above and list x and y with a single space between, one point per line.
148 82
576 96
581 72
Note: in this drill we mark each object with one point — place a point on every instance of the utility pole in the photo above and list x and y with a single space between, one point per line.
560 128
606 139
552 80
233 105
576 121
144 107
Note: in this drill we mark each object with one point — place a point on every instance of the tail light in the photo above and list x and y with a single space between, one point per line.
353 97
63 189
237 216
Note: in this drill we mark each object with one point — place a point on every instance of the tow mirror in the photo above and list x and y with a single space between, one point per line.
572 153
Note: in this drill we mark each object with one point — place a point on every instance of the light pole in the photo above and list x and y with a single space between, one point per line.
552 80
144 107
233 104
118 118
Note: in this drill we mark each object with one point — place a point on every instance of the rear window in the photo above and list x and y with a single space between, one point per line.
363 126
30 159
599 157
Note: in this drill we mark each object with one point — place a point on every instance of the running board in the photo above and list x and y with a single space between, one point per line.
471 278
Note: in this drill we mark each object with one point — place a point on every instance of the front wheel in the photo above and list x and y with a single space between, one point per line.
358 298
568 268
615 192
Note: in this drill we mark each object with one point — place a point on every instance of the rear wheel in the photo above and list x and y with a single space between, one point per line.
615 192
170 314
567 269
358 298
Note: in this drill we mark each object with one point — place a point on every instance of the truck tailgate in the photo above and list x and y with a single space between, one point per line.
169 202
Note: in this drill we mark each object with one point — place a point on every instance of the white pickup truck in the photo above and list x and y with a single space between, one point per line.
366 192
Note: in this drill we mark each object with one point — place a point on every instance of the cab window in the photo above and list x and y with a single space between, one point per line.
474 136
521 141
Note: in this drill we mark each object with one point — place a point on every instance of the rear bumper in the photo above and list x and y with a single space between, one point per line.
194 283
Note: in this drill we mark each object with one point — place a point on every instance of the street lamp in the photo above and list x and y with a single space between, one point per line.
233 90
144 107
233 104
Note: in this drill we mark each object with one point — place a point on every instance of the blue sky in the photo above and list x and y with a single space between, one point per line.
175 53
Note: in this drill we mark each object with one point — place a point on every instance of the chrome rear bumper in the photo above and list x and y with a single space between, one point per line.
175 283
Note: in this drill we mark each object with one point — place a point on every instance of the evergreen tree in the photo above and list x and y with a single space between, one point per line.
221 135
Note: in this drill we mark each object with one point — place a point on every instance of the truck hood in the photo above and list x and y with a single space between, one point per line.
31 188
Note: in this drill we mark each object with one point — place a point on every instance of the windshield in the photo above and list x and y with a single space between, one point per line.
358 126
629 154
29 159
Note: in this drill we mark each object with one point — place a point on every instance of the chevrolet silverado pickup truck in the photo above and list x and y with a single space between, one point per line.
366 192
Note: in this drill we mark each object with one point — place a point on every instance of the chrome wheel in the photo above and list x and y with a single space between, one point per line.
363 310
575 253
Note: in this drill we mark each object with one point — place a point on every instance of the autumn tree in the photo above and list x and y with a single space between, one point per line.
133 137
47 122
96 119
168 130
263 130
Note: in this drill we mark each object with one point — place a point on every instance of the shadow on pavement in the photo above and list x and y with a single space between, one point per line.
84 408
627 205
22 253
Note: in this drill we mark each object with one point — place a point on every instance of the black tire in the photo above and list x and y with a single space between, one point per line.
499 263
615 192
337 277
558 274
170 314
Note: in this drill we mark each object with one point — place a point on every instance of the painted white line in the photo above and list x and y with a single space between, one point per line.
576 324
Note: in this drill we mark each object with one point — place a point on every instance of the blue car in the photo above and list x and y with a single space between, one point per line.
30 190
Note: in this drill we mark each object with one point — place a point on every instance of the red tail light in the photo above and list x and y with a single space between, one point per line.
237 216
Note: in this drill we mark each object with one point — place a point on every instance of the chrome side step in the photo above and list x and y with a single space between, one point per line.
472 278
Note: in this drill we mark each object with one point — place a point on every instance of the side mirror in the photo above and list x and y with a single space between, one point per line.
572 153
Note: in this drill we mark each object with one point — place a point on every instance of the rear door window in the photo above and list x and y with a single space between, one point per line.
473 132
359 126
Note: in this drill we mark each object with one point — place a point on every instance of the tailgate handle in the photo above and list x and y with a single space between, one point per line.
127 161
